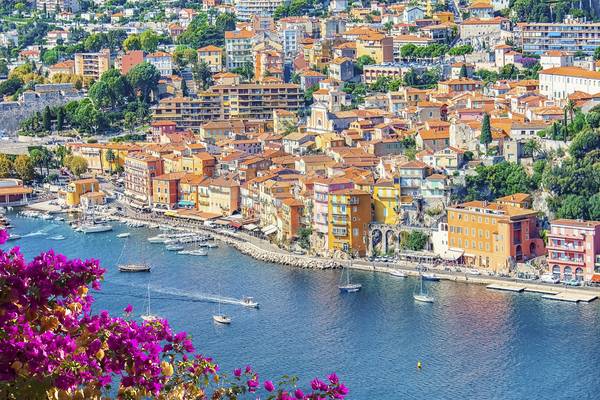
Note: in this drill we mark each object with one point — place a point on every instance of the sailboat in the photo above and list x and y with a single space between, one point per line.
221 318
148 316
131 267
422 296
348 286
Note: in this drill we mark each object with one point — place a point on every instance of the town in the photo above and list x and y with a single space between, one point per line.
460 132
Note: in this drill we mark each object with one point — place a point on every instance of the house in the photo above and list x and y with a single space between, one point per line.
162 61
558 83
212 56
341 69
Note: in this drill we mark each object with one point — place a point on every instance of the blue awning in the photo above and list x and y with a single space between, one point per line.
186 203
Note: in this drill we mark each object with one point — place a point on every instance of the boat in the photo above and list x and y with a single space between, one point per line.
134 268
131 267
473 271
148 316
95 228
46 217
158 239
222 319
59 219
123 235
57 237
348 286
212 245
430 277
14 236
422 296
398 274
174 247
249 302
198 252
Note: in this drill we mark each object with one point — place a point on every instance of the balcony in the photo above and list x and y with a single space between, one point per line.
339 232
565 259
552 245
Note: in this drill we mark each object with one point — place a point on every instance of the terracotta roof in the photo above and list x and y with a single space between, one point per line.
571 71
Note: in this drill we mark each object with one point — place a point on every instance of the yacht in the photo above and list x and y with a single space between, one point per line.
158 239
347 286
429 276
134 268
95 228
174 247
222 319
422 296
398 274
148 316
123 235
57 237
212 245
14 236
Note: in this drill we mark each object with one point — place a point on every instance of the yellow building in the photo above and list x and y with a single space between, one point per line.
349 216
212 56
76 189
104 157
444 17
377 46
386 201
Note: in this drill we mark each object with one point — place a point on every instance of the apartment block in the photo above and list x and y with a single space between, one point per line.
349 215
189 113
571 36
212 56
238 47
92 65
245 10
574 249
494 236
140 170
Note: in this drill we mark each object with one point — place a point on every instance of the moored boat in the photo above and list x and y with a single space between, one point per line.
134 268
398 274
95 228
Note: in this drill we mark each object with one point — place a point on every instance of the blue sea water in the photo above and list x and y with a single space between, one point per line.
473 343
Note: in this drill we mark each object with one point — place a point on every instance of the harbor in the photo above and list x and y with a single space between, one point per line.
468 331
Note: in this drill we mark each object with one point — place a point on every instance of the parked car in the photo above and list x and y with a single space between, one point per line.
550 278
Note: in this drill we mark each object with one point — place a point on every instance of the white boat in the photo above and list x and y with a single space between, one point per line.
222 319
124 235
198 252
14 236
398 274
430 277
134 268
422 296
59 219
473 271
148 316
347 286
95 228
174 247
57 237
212 245
46 217
550 278
249 302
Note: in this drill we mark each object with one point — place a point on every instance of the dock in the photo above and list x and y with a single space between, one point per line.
508 287
572 296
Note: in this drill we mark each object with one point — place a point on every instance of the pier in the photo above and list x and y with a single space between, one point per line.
506 287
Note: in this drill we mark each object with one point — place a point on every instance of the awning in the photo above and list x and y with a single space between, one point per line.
269 229
186 203
250 227
452 254
235 224
596 278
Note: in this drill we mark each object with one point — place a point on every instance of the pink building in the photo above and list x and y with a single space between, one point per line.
321 189
574 249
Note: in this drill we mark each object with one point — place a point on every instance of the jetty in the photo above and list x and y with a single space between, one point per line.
550 293
508 287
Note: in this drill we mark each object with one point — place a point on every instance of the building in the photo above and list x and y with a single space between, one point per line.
246 10
386 202
555 59
212 56
558 83
377 46
574 249
76 189
165 190
189 113
483 31
130 60
494 236
321 192
92 65
162 61
571 36
13 192
238 48
140 170
374 71
56 6
349 216
219 196
341 69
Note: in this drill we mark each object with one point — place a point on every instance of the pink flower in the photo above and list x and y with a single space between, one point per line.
237 372
333 378
299 394
269 387
3 236
128 309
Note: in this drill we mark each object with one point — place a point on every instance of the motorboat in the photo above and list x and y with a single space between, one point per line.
222 319
95 228
174 247
134 268
249 302
57 237
212 245
123 235
14 236
198 252
472 271
398 274
59 219
158 239
430 277
46 217
148 316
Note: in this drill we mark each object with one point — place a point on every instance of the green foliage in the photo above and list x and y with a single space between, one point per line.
304 237
422 79
201 33
486 131
10 86
50 57
6 166
362 61
203 76
386 84
549 11
461 50
498 180
296 8
415 241
246 71
77 165
24 168
358 91
597 53
184 55
308 94
144 78
434 50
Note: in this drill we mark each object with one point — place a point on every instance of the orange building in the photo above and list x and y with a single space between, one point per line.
493 235
140 169
165 190
289 217
349 216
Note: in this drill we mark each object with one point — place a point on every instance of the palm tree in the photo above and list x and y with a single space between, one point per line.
532 147
570 108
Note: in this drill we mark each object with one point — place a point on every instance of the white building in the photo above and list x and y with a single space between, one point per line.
337 6
238 48
162 61
245 10
56 6
558 83
555 59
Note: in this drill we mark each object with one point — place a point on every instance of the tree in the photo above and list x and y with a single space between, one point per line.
463 71
132 42
60 118
110 158
584 142
144 79
77 165
572 207
184 88
50 57
486 131
10 86
246 71
364 60
47 119
129 120
202 75
149 41
24 169
415 241
597 53
184 55
6 166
